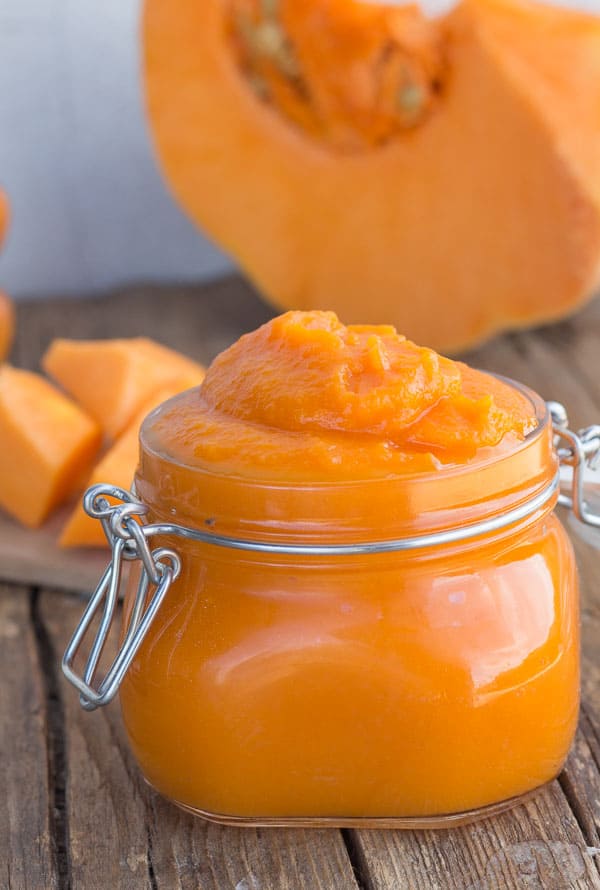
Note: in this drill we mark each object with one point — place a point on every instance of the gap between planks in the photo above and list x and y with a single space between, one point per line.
56 744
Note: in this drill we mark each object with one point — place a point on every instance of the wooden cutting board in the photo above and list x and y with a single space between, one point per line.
33 557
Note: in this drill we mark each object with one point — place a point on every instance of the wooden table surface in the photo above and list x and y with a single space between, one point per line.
75 812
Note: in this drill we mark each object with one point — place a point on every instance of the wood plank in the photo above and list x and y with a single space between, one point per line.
538 846
188 854
577 341
529 359
199 320
580 781
123 835
581 777
32 557
27 856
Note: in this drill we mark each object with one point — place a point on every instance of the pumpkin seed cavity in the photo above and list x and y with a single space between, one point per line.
375 100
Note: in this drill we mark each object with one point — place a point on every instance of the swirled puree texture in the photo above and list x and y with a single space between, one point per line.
306 397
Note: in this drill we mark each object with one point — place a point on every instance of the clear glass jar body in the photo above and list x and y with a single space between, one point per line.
406 687
411 687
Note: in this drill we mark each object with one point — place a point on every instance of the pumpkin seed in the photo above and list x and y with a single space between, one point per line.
411 98
269 8
269 39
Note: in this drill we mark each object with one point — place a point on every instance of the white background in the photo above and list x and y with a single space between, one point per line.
89 209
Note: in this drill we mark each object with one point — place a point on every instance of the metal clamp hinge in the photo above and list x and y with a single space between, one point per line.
577 453
160 567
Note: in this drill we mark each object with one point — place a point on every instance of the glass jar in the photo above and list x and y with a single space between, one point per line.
384 653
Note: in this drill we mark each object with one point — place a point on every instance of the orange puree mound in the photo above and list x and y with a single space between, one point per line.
306 370
304 396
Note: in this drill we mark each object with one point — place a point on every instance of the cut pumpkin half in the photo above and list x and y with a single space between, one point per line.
440 174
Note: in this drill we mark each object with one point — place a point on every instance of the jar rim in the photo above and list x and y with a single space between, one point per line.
379 508
542 416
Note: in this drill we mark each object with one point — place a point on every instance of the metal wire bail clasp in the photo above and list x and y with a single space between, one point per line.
128 539
579 456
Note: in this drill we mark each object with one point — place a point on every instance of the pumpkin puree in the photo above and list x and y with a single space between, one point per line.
305 397
395 684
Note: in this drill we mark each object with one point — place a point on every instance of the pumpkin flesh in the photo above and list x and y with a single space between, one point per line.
113 379
117 467
473 213
48 445
7 312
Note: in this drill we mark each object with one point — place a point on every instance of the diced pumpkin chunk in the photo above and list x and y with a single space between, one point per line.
113 379
4 215
7 315
116 467
7 325
47 445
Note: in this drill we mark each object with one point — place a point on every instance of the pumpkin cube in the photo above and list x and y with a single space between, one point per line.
47 445
7 325
7 314
116 467
113 379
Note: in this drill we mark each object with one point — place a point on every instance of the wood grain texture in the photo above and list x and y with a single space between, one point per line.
198 320
32 557
538 845
580 782
27 857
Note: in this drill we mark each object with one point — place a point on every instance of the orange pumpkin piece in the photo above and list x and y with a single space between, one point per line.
439 174
7 313
47 445
113 379
116 467
4 213
7 325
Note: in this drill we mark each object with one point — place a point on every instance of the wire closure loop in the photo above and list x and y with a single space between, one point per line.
160 568
576 452
122 517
